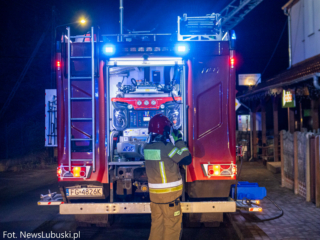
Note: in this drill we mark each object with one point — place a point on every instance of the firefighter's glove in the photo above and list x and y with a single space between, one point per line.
177 135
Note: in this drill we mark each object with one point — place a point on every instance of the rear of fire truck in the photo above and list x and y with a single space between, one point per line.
108 89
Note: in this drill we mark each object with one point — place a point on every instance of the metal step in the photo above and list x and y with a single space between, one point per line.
80 36
80 57
87 160
81 98
80 77
81 139
80 119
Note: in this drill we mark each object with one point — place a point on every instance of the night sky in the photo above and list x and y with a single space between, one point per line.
23 22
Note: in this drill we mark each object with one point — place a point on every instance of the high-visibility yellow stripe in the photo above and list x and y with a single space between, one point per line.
182 150
173 152
163 172
166 190
165 185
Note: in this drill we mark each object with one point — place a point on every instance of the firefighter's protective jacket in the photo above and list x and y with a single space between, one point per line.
162 166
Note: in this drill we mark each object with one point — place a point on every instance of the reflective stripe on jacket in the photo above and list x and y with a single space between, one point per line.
162 166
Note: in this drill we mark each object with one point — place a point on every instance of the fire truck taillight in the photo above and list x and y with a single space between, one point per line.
234 171
79 171
232 62
58 65
220 170
76 172
214 170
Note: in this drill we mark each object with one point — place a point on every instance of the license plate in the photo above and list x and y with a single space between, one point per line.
74 192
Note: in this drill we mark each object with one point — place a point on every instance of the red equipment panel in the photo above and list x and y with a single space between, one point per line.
211 115
136 106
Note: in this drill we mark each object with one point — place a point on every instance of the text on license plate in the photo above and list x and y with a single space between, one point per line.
84 191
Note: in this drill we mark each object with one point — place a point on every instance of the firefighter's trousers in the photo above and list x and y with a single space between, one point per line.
166 221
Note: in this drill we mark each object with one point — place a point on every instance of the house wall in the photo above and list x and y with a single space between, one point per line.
305 30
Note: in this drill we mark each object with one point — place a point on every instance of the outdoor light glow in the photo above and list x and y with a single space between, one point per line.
82 21
181 48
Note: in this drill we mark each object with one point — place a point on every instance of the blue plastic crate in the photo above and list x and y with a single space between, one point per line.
248 190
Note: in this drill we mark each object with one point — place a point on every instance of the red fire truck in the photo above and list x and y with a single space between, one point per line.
108 89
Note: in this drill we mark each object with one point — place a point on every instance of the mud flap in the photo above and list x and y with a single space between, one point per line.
194 220
100 220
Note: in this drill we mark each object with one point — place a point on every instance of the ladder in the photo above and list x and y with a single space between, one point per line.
71 99
235 12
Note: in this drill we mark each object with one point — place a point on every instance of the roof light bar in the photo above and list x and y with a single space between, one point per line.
150 58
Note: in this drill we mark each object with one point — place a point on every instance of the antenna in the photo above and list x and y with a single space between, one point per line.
121 19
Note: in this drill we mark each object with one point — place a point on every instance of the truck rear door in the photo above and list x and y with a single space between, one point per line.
211 116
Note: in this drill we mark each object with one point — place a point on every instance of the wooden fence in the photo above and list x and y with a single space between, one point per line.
300 164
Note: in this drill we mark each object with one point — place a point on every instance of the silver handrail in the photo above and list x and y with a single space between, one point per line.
93 107
69 105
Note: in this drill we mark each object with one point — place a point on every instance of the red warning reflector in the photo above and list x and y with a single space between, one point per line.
58 65
232 62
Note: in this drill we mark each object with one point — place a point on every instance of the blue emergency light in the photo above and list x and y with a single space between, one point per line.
109 49
181 49
233 35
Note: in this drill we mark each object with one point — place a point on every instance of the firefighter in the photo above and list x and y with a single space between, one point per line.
163 155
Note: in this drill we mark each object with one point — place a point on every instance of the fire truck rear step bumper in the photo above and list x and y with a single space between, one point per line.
132 208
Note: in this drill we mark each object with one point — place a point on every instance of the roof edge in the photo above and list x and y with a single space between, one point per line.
301 79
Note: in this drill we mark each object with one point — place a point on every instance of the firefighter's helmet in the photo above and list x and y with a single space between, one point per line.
159 123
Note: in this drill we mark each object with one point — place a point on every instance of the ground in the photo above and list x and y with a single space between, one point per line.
301 219
19 212
21 191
